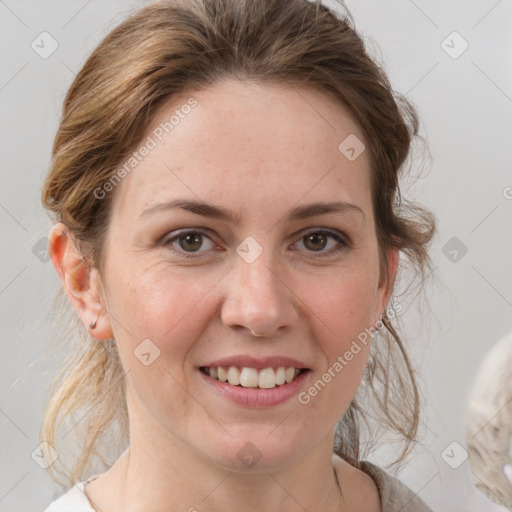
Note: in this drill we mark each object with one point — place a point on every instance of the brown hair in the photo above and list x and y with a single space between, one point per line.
177 46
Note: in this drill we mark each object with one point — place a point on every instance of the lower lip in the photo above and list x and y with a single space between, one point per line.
256 397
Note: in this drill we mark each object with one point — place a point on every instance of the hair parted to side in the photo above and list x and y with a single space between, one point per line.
174 47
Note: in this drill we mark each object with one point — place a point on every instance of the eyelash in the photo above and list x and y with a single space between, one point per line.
343 244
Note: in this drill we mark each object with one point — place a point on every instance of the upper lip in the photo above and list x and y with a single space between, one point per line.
257 362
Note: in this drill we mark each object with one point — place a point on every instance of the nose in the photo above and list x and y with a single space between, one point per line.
258 300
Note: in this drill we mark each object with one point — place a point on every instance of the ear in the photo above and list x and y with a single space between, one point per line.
82 282
388 280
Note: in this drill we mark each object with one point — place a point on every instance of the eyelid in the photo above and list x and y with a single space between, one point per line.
328 231
344 241
184 231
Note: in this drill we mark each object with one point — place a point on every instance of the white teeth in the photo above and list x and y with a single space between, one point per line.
290 374
266 378
222 374
233 376
280 376
249 378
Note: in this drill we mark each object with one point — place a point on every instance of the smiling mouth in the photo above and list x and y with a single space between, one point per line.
266 378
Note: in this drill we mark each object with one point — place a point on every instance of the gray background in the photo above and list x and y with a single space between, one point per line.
465 104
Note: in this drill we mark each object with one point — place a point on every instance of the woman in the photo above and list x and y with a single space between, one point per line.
227 228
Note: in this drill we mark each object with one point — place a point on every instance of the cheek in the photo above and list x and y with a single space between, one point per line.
159 304
345 312
159 298
344 302
158 315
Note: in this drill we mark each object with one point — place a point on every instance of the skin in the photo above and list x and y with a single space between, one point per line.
261 150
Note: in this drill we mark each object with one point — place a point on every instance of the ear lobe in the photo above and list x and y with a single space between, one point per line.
82 284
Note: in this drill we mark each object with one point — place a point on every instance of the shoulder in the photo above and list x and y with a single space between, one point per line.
394 495
358 488
74 500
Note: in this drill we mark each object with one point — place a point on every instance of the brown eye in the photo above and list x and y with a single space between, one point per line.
191 241
315 241
325 242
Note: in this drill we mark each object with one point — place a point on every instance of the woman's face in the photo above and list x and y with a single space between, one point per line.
250 250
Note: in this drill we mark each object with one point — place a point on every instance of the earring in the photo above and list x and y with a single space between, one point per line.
92 325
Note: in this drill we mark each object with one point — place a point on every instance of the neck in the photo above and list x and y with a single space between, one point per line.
161 473
148 478
184 482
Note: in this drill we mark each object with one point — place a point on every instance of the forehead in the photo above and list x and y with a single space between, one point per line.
236 140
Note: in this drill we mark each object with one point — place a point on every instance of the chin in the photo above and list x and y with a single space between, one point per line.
256 453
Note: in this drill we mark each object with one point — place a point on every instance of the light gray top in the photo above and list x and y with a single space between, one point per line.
394 495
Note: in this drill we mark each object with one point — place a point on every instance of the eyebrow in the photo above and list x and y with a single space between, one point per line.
216 212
